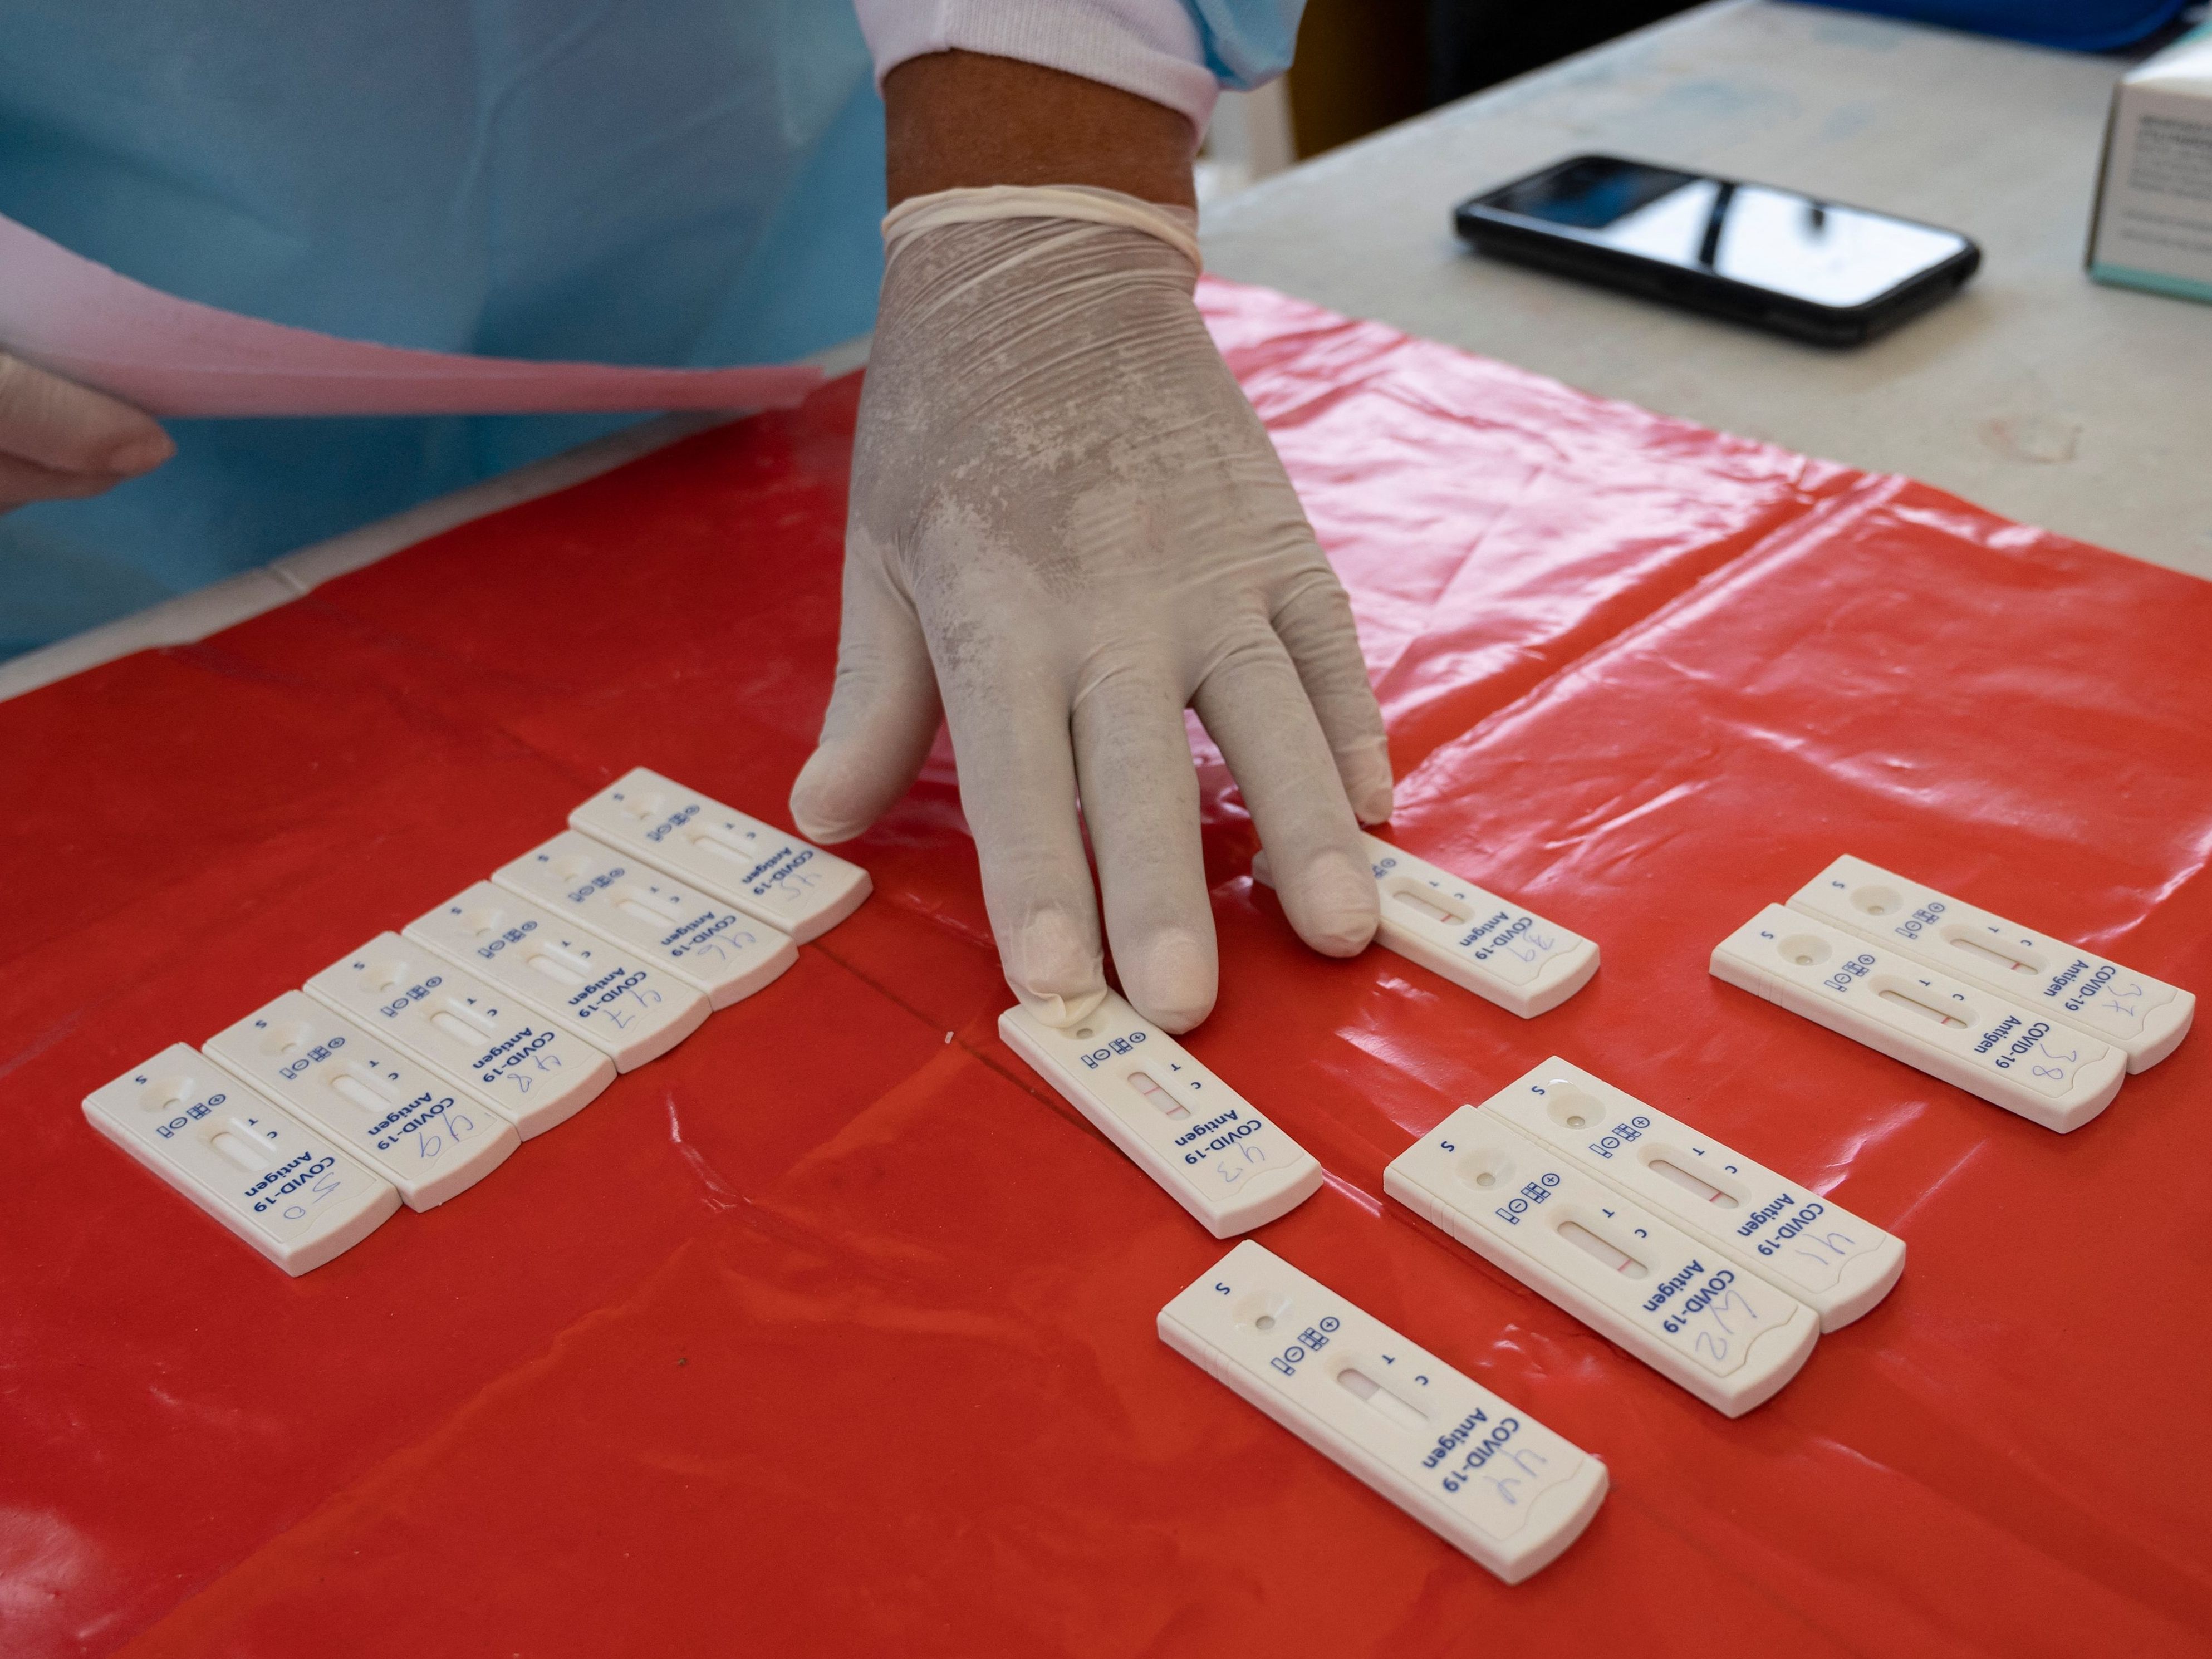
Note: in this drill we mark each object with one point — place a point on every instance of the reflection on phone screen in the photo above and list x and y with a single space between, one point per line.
1771 239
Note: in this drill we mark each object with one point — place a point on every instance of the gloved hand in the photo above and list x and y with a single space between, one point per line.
59 439
1068 522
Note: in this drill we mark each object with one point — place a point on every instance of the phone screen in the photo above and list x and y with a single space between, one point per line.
1770 239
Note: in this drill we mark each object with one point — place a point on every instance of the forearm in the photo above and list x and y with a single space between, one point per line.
963 119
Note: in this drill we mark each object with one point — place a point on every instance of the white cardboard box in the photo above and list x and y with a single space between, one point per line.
2153 225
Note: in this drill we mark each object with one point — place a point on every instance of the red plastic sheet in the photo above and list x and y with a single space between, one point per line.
833 1332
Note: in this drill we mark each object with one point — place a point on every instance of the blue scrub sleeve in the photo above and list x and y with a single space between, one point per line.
1248 42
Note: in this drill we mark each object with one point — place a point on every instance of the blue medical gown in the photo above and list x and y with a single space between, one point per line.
675 182
681 182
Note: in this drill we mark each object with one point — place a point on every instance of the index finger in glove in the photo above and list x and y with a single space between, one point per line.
883 711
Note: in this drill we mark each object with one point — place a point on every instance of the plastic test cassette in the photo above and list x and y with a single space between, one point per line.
1183 1126
1681 1306
2145 1017
1480 942
1484 1474
1793 1237
533 1073
1990 1046
426 1137
726 855
283 1187
711 946
590 986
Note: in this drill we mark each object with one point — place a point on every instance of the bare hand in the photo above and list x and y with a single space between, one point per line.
60 439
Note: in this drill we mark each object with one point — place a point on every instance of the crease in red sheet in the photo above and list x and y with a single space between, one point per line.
832 1333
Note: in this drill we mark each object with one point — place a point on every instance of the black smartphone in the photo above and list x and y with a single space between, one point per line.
1774 259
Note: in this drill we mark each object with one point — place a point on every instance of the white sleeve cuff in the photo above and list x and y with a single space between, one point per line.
1150 47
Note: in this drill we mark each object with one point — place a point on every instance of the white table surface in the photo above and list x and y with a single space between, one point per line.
2036 393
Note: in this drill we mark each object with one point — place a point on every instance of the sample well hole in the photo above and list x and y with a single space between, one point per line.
168 1096
1265 1310
1692 1183
1486 1169
1805 950
1618 1260
1877 900
1403 1412
1168 1104
1087 1034
643 805
1569 1106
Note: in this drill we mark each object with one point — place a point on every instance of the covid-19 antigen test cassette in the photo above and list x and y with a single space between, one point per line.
532 1071
1218 1157
1478 1471
740 860
281 1185
1992 1046
1781 1229
1482 943
413 1127
1681 1306
2062 982
591 986
711 946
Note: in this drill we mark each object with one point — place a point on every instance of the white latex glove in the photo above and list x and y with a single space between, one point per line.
1068 522
59 439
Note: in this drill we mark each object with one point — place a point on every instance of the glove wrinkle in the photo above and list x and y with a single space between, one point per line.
1067 525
